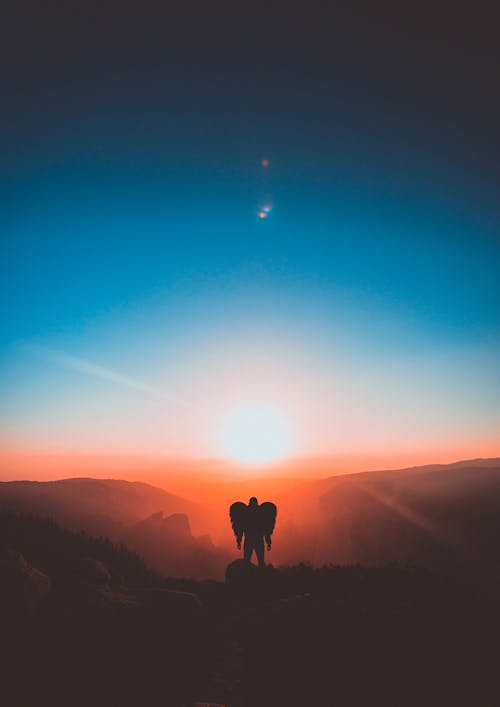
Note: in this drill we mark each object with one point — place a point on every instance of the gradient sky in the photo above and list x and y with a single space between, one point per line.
143 300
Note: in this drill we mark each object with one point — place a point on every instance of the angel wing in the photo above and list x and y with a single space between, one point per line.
238 513
268 513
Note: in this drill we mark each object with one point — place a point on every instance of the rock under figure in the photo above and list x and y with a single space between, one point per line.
256 523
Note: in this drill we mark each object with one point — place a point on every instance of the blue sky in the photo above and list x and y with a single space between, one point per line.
130 235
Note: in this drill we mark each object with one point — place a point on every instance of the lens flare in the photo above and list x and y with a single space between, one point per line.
264 211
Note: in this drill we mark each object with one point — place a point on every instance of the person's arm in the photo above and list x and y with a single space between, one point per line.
238 540
268 542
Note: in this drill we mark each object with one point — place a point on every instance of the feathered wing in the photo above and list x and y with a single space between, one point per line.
268 513
238 513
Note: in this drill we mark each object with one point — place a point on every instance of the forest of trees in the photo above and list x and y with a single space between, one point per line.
53 549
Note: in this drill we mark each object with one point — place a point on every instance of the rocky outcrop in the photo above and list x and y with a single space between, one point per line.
167 545
241 572
22 586
89 583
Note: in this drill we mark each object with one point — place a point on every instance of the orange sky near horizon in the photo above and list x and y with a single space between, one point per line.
186 476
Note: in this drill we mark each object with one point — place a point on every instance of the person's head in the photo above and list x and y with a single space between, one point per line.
253 503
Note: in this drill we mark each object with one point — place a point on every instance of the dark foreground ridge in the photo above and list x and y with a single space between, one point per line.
86 623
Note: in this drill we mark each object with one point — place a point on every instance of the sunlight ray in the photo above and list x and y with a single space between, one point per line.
442 535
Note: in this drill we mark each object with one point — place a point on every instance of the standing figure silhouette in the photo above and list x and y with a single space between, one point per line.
256 523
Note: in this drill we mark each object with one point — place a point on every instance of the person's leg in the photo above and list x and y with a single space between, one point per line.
247 549
259 551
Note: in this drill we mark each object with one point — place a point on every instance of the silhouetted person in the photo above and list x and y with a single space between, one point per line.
256 523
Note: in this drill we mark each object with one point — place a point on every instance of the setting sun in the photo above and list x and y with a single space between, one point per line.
255 433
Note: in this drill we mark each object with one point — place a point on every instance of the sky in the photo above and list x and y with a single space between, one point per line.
147 309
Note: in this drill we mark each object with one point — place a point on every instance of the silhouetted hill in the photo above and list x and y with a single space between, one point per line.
146 519
55 550
433 515
168 545
306 494
427 515
69 500
86 623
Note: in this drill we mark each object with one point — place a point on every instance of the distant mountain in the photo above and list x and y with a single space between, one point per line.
428 515
168 545
146 519
310 491
72 499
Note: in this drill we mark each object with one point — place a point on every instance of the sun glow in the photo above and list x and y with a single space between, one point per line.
255 433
